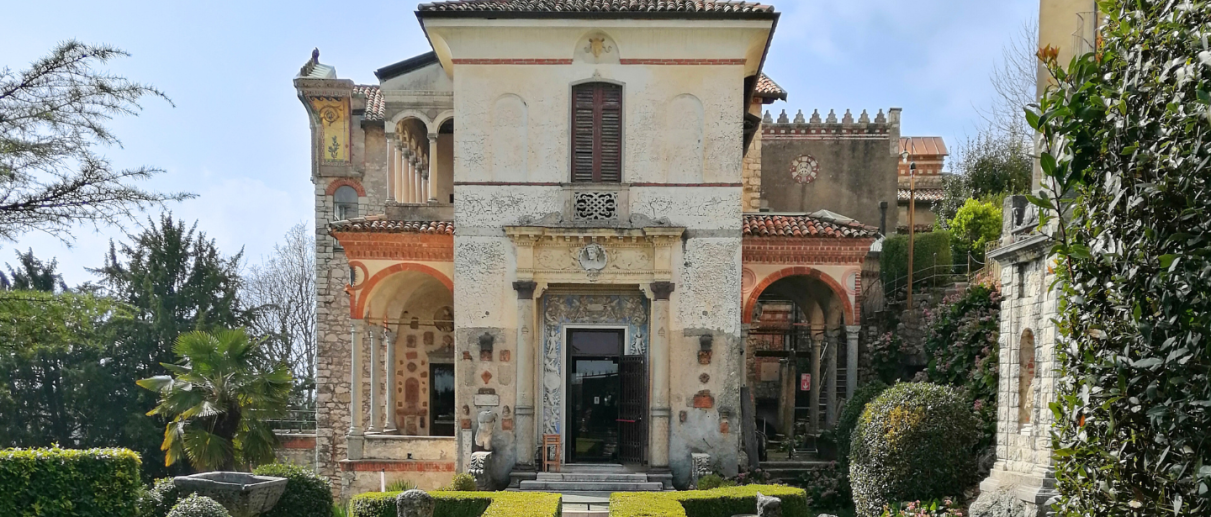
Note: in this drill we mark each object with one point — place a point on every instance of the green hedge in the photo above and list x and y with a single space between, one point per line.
68 482
464 504
893 260
307 493
719 502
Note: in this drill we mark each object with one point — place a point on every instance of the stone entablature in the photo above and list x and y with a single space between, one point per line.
636 256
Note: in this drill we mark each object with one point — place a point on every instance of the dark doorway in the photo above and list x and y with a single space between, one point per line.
441 399
593 395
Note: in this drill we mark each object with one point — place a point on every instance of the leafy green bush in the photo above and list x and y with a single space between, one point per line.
827 486
848 419
962 344
1125 154
462 482
944 508
198 506
400 485
159 499
914 441
464 504
69 482
719 502
307 493
975 225
710 481
893 260
644 504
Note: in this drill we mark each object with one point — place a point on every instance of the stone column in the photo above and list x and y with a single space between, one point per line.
524 434
851 361
660 410
814 412
830 389
389 380
391 167
424 182
376 368
417 188
433 167
409 171
355 391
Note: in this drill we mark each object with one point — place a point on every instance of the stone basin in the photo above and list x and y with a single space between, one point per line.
241 493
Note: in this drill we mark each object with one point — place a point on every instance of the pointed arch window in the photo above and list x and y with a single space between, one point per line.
597 133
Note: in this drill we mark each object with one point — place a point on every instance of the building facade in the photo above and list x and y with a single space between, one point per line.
549 228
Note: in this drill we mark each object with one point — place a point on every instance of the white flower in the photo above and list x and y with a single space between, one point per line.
1135 504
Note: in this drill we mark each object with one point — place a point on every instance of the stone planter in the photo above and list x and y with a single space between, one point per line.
242 494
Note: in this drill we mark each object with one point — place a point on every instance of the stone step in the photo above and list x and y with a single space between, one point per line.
592 477
594 468
569 486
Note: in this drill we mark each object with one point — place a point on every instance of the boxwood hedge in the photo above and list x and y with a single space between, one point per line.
307 493
69 482
464 504
719 502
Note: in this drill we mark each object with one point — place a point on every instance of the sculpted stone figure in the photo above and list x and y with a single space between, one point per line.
487 425
768 506
414 503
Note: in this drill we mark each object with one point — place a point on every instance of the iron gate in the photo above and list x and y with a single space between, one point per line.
633 408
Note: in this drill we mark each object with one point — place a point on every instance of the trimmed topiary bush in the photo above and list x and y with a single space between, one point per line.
200 506
159 499
848 420
464 504
463 483
912 442
69 482
307 493
720 502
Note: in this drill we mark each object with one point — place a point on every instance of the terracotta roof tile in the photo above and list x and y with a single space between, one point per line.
802 225
923 145
375 107
767 88
584 6
363 225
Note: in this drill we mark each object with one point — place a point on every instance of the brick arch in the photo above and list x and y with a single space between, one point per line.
357 304
345 182
837 289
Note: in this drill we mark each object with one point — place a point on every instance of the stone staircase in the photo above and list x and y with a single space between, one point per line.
592 478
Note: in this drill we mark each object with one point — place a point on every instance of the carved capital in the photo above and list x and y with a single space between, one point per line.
525 289
662 290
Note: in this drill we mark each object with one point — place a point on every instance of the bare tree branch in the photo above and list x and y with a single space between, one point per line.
281 291
52 116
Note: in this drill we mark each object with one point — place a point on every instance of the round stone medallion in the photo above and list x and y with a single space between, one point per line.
805 169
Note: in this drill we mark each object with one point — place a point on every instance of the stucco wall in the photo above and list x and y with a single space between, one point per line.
857 168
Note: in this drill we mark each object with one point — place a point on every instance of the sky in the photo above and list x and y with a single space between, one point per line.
236 135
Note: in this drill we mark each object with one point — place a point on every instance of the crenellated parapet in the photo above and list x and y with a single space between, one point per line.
817 127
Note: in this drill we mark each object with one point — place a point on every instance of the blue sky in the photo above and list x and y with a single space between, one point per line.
238 136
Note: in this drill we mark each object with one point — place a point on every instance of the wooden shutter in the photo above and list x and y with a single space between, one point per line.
597 133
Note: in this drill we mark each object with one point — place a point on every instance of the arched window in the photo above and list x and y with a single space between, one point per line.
344 202
597 133
1025 376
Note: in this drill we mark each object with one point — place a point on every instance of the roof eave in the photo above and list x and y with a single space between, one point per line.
397 69
605 15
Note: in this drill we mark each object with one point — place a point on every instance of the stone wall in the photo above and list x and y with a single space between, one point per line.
842 163
1027 362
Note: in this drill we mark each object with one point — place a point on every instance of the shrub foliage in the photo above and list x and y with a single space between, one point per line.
962 346
464 504
928 250
720 502
199 506
69 482
1126 136
307 493
914 441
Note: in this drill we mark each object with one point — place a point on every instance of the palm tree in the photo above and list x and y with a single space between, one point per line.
218 400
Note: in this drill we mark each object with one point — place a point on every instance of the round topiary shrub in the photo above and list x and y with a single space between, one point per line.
913 442
848 419
307 493
200 506
159 499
